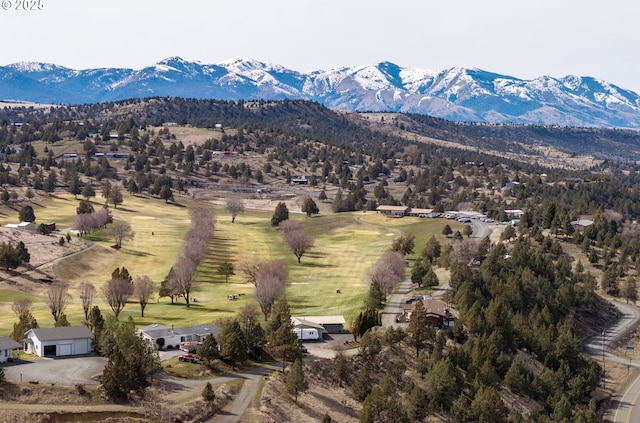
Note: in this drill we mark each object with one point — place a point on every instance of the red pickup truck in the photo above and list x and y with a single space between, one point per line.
189 357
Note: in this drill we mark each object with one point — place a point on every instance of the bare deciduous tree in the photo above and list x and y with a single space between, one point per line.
120 231
88 222
87 292
83 223
465 250
202 224
168 288
270 279
195 249
143 288
631 231
254 267
388 271
250 268
20 307
298 242
289 226
268 289
117 292
57 298
234 206
185 273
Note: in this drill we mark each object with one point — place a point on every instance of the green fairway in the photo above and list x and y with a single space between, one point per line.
346 245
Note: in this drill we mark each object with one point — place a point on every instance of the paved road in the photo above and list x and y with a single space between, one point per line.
394 305
623 408
234 412
480 229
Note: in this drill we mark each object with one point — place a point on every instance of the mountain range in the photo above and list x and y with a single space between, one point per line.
455 94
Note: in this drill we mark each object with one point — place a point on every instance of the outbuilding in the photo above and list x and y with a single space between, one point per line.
7 345
22 226
58 342
325 324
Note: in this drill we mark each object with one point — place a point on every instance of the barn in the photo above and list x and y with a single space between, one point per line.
58 342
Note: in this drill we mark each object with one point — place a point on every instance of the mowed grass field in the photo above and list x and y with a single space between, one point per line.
346 245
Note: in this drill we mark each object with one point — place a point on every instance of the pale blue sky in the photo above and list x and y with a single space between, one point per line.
522 38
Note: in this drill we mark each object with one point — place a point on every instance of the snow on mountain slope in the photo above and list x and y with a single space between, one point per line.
457 94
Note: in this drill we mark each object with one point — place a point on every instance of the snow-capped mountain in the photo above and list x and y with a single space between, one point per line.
456 94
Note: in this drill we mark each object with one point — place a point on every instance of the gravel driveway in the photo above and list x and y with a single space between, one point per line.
59 371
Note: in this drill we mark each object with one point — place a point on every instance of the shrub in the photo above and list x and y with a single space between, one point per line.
81 389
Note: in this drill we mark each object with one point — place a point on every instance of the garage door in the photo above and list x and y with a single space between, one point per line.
64 349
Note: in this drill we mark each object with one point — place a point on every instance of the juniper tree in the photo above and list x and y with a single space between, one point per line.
295 381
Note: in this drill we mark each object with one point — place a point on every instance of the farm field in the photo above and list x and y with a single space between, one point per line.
345 246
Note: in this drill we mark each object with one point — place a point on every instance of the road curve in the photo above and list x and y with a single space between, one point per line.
623 406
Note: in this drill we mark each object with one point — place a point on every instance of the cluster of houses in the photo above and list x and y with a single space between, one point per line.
76 340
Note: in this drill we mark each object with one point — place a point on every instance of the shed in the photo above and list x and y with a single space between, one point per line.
7 345
22 226
326 324
56 342
162 336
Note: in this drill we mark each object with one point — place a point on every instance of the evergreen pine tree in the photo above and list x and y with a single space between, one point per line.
296 382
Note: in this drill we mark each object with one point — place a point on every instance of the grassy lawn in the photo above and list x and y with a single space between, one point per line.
346 245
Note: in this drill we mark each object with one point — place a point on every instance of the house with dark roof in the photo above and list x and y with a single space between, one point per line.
57 342
162 336
437 312
7 345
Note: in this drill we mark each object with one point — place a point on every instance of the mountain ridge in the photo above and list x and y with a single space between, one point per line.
456 94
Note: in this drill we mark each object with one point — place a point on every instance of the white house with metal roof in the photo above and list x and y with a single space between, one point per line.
162 336
57 342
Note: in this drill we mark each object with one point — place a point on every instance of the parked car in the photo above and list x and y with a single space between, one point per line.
190 346
189 358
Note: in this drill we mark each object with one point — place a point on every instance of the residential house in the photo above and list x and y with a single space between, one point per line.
168 337
582 223
56 342
438 313
7 346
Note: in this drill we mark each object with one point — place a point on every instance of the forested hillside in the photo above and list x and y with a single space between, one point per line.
523 303
313 120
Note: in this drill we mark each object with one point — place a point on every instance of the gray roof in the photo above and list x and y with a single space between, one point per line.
65 332
7 343
161 330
